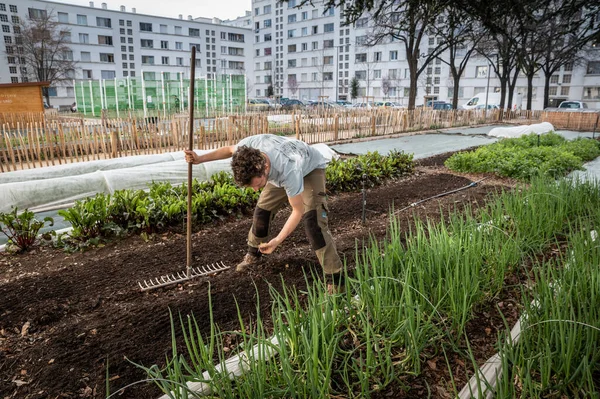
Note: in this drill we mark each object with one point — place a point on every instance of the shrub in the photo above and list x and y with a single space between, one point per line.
22 229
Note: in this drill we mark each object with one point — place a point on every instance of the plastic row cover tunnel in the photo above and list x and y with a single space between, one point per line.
58 187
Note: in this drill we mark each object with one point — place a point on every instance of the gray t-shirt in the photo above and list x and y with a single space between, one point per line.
291 160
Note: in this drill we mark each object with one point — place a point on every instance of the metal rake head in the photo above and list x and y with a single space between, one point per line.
182 276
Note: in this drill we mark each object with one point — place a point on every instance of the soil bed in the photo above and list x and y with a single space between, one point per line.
63 316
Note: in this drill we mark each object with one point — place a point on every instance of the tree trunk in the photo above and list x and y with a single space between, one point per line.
530 91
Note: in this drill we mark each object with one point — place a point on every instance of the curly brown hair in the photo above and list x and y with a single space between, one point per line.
247 162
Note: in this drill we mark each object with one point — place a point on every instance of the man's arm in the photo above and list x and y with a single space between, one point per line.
219 153
289 226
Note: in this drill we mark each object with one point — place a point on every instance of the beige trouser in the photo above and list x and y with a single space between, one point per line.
315 219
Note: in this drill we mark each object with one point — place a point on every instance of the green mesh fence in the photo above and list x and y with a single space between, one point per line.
225 94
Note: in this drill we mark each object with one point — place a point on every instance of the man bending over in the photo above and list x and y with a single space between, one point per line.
286 169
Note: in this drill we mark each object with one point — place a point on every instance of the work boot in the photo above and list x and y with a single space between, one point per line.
248 261
336 283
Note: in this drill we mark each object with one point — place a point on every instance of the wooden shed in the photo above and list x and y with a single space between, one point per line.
22 97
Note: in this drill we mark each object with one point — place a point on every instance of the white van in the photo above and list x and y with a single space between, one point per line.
493 99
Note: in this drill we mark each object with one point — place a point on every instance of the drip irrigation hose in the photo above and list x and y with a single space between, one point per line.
473 184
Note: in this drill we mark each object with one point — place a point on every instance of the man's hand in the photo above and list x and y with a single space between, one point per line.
191 157
269 247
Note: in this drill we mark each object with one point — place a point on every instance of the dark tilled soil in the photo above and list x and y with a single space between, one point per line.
64 316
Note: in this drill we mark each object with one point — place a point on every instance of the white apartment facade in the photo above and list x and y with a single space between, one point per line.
307 53
303 53
110 44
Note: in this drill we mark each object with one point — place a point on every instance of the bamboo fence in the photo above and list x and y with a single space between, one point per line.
30 141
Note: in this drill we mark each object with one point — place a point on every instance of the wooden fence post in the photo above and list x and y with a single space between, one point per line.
114 143
336 127
373 120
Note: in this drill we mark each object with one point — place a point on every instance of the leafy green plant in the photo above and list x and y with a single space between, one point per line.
88 217
22 228
527 157
372 168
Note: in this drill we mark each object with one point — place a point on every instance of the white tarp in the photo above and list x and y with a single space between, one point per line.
522 130
59 186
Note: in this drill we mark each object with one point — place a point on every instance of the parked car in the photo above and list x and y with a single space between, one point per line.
291 104
490 106
363 105
388 104
442 106
343 103
258 104
432 103
572 105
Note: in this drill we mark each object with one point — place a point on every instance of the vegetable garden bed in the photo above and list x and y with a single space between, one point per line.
68 320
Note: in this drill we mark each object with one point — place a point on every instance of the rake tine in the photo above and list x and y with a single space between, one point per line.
182 276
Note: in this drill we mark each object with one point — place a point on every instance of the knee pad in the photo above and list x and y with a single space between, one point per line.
313 230
260 225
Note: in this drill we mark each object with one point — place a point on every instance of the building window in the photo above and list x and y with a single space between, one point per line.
6 28
393 55
568 67
108 74
86 56
145 27
106 57
593 68
163 28
2 7
481 71
105 40
164 44
564 91
361 40
87 73
146 43
194 32
377 74
377 56
328 28
165 60
3 18
328 43
178 30
103 22
148 59
292 48
179 61
14 79
35 13
554 79
63 17
291 63
13 8
362 57
291 18
591 93
360 75
328 60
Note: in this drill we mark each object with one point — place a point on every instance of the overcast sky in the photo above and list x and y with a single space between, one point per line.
223 9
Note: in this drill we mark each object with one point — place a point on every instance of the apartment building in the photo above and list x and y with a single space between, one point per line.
284 51
307 53
109 44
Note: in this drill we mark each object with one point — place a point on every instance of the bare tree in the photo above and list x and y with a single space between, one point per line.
43 46
409 22
462 33
292 84
363 64
386 85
